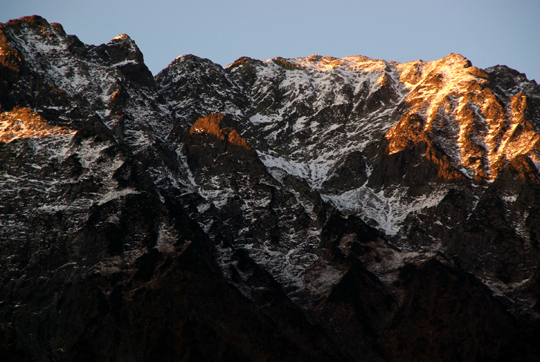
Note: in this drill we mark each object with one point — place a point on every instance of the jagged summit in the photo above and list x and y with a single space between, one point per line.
453 106
121 37
292 209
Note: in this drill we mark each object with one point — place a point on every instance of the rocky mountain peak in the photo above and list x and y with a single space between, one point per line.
36 23
453 107
456 60
292 209
121 37
123 49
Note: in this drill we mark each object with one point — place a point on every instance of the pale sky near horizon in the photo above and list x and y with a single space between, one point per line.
487 32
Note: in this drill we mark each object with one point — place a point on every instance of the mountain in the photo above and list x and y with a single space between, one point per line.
306 209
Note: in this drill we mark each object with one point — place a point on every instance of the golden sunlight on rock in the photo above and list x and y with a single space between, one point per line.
410 73
450 106
211 124
318 63
383 80
22 122
9 57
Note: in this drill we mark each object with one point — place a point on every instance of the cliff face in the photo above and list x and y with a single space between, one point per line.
315 209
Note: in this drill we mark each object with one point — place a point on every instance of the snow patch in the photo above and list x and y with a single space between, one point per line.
262 119
167 237
387 208
112 195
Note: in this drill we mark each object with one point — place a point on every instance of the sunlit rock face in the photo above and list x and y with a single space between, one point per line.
479 130
23 123
302 209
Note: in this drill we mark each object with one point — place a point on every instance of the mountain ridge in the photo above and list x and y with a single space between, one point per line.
338 209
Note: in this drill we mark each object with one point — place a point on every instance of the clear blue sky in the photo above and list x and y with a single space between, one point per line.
488 32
